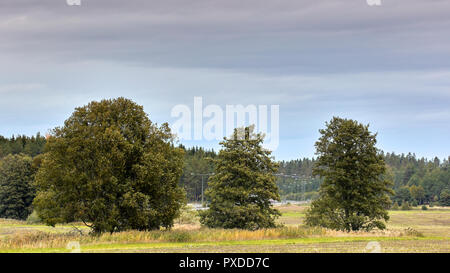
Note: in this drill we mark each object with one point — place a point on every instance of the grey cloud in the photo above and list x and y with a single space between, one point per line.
282 36
316 58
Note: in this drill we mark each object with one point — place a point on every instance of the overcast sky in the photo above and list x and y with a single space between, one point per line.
388 66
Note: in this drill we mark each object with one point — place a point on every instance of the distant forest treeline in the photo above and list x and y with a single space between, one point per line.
416 180
31 146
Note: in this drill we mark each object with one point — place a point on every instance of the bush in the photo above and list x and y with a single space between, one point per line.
188 215
406 206
179 236
412 232
33 218
424 207
395 206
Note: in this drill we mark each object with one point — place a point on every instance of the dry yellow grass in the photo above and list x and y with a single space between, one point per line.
404 234
41 239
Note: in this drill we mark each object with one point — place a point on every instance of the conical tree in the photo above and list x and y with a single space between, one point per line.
354 191
243 186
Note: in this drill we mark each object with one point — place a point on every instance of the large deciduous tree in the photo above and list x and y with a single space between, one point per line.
243 186
16 189
354 191
112 168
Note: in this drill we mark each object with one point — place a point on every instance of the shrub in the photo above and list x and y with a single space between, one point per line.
188 215
33 218
424 207
406 206
395 206
179 236
412 232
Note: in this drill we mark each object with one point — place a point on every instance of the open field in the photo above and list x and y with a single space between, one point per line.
408 231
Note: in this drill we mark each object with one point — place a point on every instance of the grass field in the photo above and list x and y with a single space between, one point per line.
408 231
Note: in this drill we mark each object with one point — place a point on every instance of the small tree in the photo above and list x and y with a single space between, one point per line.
395 206
16 189
243 186
354 191
112 168
405 206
